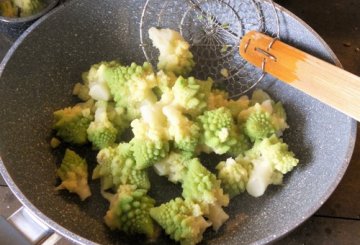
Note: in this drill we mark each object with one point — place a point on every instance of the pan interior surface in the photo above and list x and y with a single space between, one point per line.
38 77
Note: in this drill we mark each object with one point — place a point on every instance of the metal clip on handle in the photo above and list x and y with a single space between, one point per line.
266 53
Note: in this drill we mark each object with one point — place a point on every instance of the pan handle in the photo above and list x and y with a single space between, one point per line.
24 228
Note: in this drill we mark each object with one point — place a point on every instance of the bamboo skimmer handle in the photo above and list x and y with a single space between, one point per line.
317 78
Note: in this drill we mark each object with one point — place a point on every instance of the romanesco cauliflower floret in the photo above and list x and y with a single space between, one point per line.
117 116
259 96
259 125
151 140
201 186
28 7
173 166
219 130
73 174
71 123
264 118
165 81
124 170
130 212
146 153
182 220
271 159
175 55
276 152
101 132
116 166
234 175
238 105
152 124
131 86
261 176
81 90
97 81
191 94
184 132
188 141
219 98
103 170
242 143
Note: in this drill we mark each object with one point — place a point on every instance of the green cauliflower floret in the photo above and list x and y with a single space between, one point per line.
130 212
116 166
117 116
151 139
184 132
175 55
191 94
259 96
103 170
146 153
189 141
271 159
174 166
242 143
259 125
238 105
71 123
131 86
96 80
219 130
264 118
234 175
276 152
219 98
81 90
74 175
165 81
202 186
124 168
101 132
28 7
182 220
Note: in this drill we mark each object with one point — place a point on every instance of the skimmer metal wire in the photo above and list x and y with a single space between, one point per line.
214 29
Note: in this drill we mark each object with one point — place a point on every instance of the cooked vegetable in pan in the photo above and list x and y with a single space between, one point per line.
173 118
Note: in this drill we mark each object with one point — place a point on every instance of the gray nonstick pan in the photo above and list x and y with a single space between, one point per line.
37 77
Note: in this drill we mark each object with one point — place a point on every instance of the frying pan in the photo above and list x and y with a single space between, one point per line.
37 76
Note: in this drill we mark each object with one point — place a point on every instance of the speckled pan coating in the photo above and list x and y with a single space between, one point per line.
38 75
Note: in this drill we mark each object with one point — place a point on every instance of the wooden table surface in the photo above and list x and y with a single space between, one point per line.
338 220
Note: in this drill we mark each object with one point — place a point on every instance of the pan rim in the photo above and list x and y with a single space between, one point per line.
79 239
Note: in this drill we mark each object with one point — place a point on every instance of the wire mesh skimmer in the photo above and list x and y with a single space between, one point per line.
214 29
